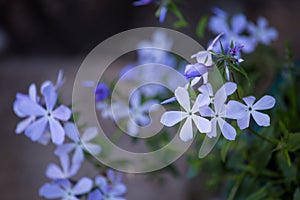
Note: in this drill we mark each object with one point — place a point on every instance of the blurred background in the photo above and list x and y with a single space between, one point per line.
39 37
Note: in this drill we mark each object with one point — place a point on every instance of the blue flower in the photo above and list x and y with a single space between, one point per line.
66 171
45 118
109 188
79 144
63 189
261 32
142 2
101 92
238 24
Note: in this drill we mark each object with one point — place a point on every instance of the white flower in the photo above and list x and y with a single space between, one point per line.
220 112
170 118
251 108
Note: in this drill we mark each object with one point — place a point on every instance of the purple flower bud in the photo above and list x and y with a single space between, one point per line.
196 70
101 92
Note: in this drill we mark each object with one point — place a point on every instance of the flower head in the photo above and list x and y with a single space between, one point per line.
101 92
170 118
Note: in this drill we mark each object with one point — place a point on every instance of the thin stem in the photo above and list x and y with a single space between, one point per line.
261 137
237 91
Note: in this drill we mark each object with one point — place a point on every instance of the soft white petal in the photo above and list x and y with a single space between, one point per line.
244 122
32 92
170 118
249 100
260 118
78 155
266 102
22 125
183 98
186 132
29 107
202 124
206 111
62 113
227 130
72 131
57 131
235 110
210 47
36 129
213 132
50 97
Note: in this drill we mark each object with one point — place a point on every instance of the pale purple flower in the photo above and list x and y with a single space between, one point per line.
45 117
63 189
238 24
170 118
66 170
138 113
59 81
219 113
79 144
109 188
252 109
262 33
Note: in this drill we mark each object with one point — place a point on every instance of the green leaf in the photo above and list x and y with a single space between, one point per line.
258 195
226 144
181 21
293 142
240 70
222 48
201 26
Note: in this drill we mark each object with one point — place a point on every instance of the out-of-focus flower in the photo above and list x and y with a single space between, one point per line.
109 188
45 117
251 108
233 33
170 118
101 92
66 171
220 112
262 33
59 81
142 2
63 189
138 113
79 144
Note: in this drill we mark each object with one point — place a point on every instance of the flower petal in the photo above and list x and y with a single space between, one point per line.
206 111
170 118
51 191
54 172
249 100
65 148
227 130
29 107
22 125
238 23
235 110
93 148
89 134
36 129
62 112
266 102
213 132
202 124
84 185
260 118
78 155
183 98
57 131
186 132
244 122
50 97
96 194
72 131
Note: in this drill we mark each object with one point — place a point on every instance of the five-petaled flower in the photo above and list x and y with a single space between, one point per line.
170 118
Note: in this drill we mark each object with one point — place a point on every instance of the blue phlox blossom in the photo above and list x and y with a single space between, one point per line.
45 118
162 13
79 144
142 2
63 189
170 118
220 112
138 112
233 32
252 109
262 33
67 169
109 188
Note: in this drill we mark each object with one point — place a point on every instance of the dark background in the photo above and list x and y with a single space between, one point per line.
38 37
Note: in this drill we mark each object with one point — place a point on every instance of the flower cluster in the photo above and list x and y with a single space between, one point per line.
241 31
208 110
46 119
